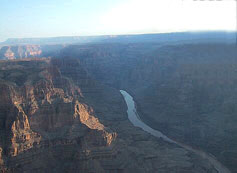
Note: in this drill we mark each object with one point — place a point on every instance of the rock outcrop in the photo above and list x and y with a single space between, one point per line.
36 114
10 52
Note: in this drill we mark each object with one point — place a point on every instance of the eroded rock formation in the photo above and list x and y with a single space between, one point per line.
28 51
36 114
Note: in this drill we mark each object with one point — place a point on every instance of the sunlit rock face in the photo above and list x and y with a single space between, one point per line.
45 110
54 117
10 52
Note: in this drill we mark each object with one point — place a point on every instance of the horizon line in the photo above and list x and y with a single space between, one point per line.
125 34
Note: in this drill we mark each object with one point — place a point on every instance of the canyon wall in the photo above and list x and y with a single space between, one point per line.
187 91
56 118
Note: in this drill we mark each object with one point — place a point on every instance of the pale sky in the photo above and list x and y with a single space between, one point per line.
50 18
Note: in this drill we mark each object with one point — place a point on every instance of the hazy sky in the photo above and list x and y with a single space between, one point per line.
48 18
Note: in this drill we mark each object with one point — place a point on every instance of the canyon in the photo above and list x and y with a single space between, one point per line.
186 91
62 111
55 118
135 119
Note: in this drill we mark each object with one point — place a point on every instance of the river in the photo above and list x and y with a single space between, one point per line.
136 121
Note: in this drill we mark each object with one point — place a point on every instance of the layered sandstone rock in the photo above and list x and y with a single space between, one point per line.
28 51
36 114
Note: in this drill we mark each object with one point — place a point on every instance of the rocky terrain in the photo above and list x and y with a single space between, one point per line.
66 112
9 52
55 117
187 91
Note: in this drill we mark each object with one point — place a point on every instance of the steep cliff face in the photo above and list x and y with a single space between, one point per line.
55 118
36 114
192 97
29 51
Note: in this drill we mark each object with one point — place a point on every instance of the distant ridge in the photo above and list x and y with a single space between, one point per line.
53 40
219 36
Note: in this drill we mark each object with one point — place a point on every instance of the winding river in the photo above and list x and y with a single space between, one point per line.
136 121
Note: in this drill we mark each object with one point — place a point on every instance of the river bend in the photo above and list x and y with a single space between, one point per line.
136 121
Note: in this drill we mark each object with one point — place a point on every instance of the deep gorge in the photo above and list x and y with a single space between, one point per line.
186 91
